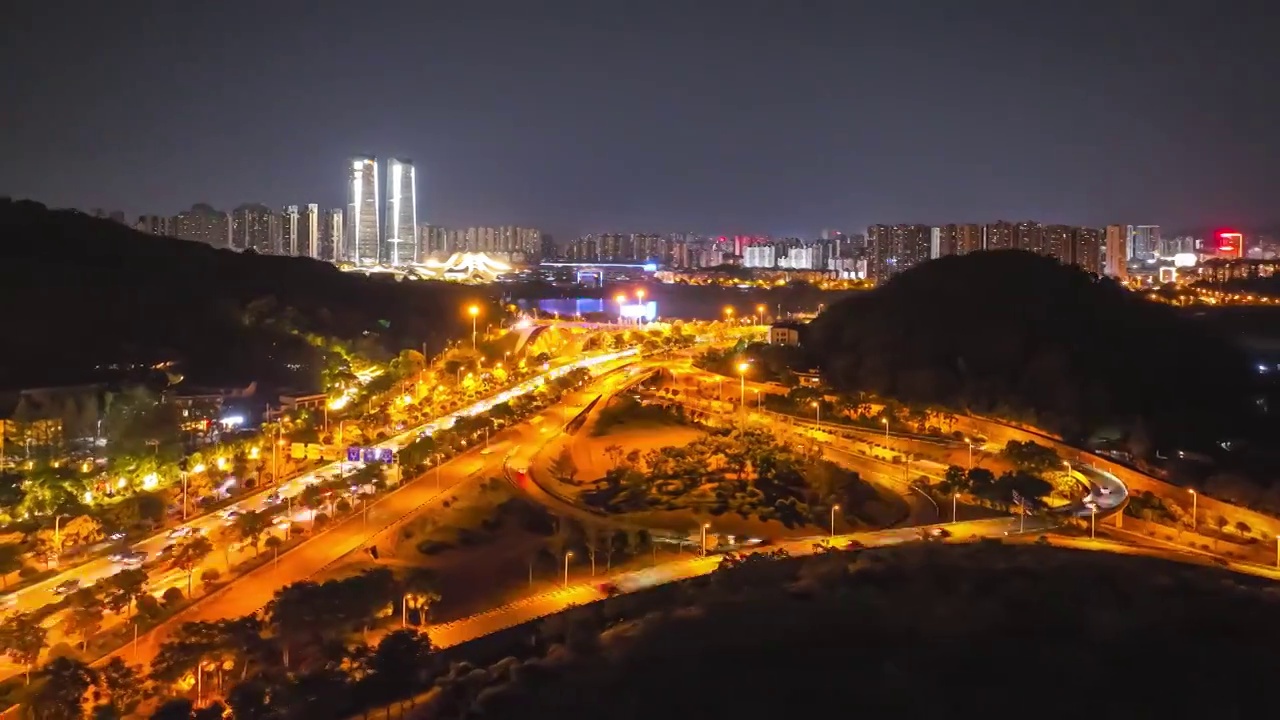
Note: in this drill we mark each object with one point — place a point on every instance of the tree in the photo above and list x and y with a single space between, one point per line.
273 543
615 454
86 615
174 709
188 555
563 468
10 561
955 480
397 664
124 588
250 526
592 539
122 686
62 695
22 638
1031 457
1243 528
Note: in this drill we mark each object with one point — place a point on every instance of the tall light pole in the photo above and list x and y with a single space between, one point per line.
742 389
474 312
1193 511
57 534
954 495
817 414
969 442
886 430
622 302
704 538
1093 523
567 555
834 508
760 314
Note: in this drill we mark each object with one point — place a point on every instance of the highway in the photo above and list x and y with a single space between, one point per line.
254 590
276 499
549 603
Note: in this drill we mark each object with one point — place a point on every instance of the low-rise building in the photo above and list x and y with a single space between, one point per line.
785 333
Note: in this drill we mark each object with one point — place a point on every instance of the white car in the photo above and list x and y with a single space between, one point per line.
1104 489
133 559
180 532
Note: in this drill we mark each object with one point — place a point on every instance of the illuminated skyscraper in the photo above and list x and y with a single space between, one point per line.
362 212
255 227
330 245
1117 251
1144 242
309 232
400 243
289 225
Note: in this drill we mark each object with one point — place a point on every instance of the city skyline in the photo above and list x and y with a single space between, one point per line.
571 122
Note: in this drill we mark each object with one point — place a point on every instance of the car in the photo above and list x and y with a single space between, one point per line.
230 517
66 587
180 532
281 520
1104 490
133 559
119 535
273 498
166 550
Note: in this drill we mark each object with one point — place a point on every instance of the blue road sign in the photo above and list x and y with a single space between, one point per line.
386 455
353 454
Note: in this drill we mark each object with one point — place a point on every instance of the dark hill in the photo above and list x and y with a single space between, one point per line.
1025 337
915 632
79 292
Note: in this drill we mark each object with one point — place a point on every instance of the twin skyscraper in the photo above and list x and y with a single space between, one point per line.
378 235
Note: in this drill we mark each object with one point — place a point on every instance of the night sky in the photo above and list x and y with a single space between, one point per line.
729 116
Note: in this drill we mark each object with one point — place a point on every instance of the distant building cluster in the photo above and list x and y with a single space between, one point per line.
691 251
380 225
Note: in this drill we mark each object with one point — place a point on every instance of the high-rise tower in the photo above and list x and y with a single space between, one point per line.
362 212
400 241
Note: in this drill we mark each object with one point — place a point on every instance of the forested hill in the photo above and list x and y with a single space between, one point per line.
1025 337
79 291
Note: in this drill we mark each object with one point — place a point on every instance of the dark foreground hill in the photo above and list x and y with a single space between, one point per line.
78 292
918 631
1022 336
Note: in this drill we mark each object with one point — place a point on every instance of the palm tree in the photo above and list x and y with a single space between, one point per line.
188 555
250 526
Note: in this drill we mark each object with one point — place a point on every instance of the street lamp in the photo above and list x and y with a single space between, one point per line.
834 508
742 390
1193 511
622 301
567 555
474 312
969 442
817 414
886 430
639 301
704 538
57 534
1093 523
728 313
954 495
760 314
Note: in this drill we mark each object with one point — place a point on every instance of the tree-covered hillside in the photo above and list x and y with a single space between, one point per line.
1022 336
80 292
